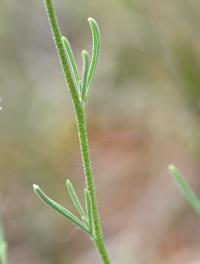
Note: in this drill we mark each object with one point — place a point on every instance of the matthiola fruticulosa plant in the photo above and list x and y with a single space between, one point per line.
88 219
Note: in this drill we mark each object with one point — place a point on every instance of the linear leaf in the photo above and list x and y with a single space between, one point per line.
95 50
85 222
71 59
88 203
85 58
74 198
185 188
79 89
59 208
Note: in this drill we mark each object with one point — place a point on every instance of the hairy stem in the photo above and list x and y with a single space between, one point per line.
82 131
61 51
83 138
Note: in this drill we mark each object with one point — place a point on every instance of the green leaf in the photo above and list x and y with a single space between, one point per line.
71 60
85 221
185 188
95 50
85 58
88 203
74 198
3 247
79 89
59 208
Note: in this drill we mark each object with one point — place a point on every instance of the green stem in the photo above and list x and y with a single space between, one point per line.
83 138
82 130
61 51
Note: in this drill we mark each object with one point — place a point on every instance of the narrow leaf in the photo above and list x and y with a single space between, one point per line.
79 89
85 58
85 222
74 198
59 208
88 203
71 59
185 188
95 50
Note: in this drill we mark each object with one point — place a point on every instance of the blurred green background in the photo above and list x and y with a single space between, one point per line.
143 113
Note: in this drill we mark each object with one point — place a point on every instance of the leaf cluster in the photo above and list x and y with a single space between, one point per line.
85 221
83 84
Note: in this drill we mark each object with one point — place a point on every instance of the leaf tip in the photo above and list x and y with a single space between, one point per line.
90 19
68 183
64 39
171 168
36 187
84 52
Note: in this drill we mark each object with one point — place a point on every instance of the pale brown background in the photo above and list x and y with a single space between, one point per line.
143 113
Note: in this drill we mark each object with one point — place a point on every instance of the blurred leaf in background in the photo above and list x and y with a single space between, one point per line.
185 188
3 247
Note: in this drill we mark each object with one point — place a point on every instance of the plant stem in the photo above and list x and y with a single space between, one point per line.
61 52
83 138
82 131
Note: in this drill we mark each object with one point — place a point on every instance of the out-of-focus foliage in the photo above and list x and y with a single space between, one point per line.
185 188
3 246
143 113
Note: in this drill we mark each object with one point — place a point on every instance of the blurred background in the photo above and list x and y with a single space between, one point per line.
143 114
